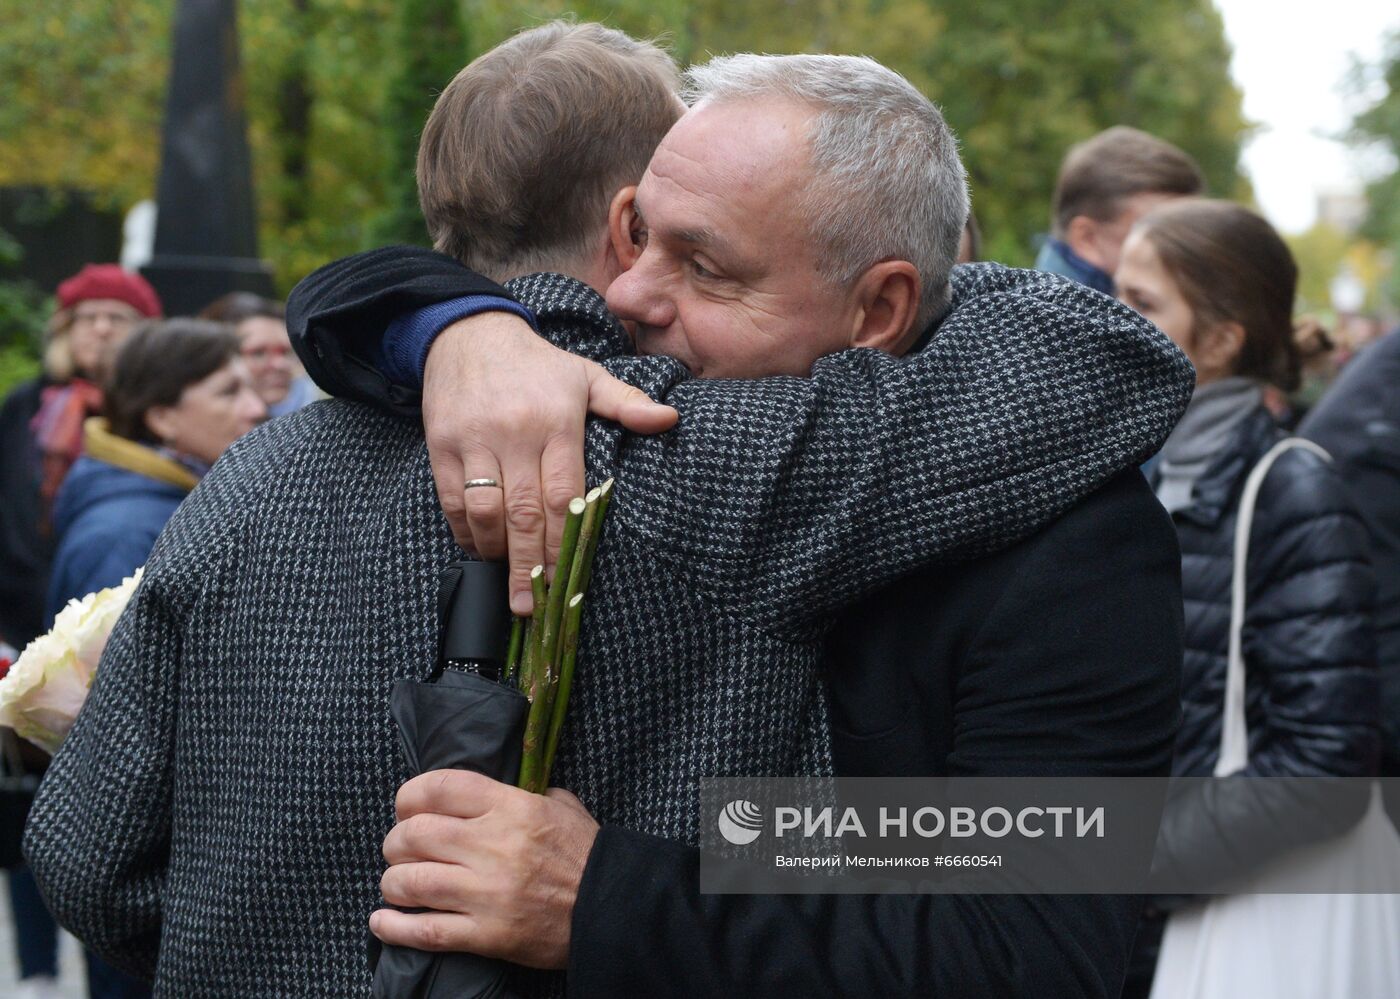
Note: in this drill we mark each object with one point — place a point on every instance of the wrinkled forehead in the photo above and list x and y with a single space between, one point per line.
746 161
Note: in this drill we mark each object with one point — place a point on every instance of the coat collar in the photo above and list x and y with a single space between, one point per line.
1057 258
99 442
1220 484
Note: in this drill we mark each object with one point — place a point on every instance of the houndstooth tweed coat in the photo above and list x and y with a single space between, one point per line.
215 818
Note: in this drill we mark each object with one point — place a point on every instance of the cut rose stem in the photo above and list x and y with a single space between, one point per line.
588 538
554 605
533 666
517 636
573 614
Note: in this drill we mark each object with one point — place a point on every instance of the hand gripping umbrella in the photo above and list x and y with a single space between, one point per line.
461 717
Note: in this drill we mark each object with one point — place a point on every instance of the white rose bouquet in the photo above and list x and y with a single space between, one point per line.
44 690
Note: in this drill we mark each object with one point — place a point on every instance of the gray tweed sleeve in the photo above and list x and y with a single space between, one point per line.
782 499
99 831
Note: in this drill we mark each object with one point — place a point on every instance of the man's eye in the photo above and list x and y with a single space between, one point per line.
699 269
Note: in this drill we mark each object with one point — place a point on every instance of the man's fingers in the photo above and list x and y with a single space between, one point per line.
428 836
561 478
462 793
428 885
525 525
430 931
447 476
484 505
614 399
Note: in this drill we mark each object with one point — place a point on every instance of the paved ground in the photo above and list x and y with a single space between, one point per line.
71 981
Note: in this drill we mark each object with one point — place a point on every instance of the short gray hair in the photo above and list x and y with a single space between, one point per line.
889 184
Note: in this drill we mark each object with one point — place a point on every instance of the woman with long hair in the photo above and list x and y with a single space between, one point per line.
1218 280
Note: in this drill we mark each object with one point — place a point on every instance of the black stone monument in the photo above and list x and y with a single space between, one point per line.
206 230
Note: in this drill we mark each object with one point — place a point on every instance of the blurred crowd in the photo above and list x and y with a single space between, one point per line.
132 408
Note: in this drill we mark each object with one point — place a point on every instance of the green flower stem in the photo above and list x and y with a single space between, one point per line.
598 500
554 609
517 636
531 665
573 614
537 685
587 533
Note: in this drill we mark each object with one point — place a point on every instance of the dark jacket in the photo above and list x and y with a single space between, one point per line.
1311 694
25 548
1308 641
1056 657
1059 655
106 520
1358 421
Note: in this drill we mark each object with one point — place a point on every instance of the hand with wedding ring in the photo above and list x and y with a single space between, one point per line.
504 414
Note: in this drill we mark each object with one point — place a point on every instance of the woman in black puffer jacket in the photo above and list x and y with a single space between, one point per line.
1218 280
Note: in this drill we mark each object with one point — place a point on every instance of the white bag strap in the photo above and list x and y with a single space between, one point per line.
1234 739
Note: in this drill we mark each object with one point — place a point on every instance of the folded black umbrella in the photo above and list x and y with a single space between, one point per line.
461 717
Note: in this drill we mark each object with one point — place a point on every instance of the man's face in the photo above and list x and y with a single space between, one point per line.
727 281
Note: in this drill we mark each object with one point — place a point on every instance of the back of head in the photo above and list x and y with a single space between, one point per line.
1232 266
888 183
1100 173
526 147
155 365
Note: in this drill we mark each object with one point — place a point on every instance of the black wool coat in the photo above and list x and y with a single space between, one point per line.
1059 656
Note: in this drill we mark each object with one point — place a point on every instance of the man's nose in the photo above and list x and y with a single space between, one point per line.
642 296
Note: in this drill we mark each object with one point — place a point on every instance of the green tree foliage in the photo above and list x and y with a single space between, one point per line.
1379 127
336 92
430 47
23 311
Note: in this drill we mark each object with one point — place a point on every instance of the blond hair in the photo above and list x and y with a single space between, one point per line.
527 146
58 353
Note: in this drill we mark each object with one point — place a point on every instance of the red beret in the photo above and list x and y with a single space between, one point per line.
110 281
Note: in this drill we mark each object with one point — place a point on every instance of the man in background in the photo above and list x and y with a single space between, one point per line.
1105 185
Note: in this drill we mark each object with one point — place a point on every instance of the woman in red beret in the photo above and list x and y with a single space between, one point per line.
41 435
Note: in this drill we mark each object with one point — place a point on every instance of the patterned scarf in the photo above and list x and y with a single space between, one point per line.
57 431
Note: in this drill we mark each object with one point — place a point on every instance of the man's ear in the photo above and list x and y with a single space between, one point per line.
1082 236
623 224
887 305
